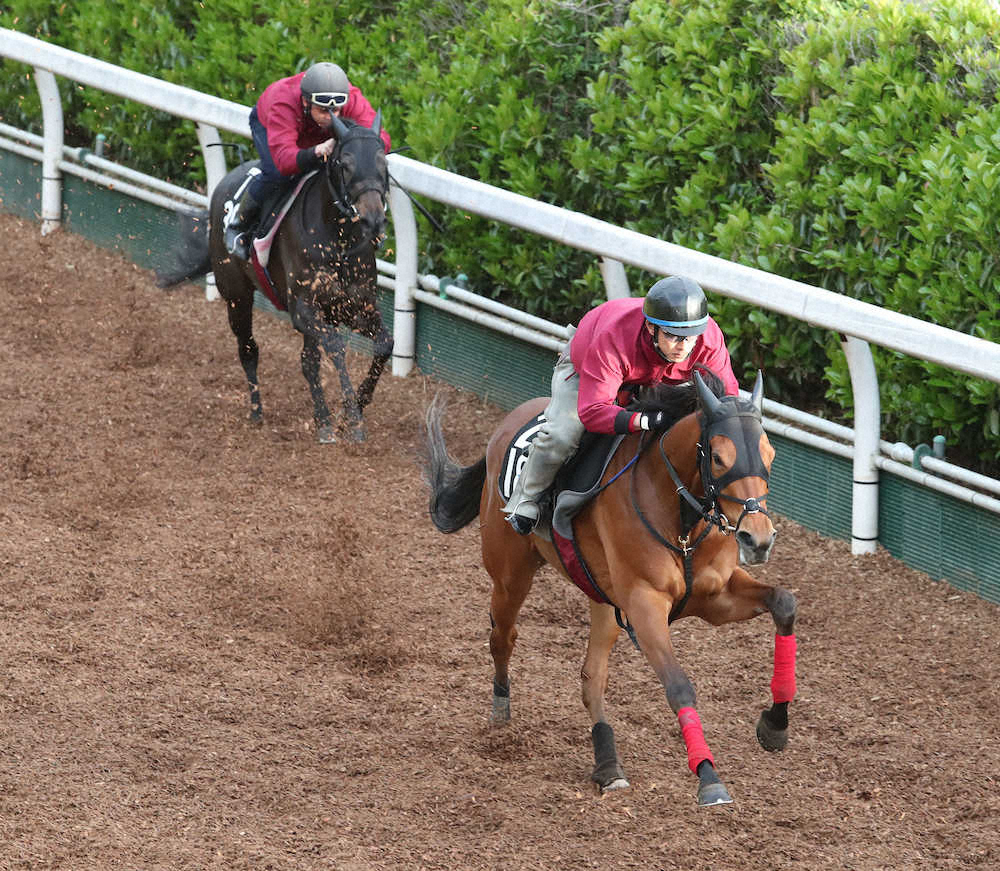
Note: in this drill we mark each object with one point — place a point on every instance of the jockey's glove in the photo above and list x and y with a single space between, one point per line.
652 420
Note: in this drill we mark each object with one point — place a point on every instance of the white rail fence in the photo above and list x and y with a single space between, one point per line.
857 323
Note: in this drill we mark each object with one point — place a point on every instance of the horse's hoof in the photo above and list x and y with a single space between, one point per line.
357 436
711 794
326 434
771 739
609 775
256 416
500 715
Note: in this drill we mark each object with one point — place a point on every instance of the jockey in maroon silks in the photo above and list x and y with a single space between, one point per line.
291 129
620 345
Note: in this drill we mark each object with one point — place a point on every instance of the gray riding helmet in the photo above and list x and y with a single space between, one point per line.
326 85
677 305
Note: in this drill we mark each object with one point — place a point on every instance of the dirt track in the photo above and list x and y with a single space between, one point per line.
230 647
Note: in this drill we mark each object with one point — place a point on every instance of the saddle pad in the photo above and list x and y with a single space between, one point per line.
581 473
262 245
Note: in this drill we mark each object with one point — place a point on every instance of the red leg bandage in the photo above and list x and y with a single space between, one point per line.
694 738
783 682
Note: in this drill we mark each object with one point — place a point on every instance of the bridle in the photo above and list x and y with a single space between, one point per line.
740 428
336 175
693 509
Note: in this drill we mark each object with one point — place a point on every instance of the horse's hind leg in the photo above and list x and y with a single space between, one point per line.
608 773
512 568
240 313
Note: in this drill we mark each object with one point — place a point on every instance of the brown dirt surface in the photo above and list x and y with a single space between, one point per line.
228 647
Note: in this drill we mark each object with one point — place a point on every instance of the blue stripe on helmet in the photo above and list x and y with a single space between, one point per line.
695 323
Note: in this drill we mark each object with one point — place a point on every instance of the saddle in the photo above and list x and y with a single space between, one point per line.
273 211
575 485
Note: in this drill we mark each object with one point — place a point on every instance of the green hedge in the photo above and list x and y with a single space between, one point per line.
844 144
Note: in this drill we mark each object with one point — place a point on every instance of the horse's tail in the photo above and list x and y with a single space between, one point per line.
192 256
455 490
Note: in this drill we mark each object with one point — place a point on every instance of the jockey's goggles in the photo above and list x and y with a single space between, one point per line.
329 99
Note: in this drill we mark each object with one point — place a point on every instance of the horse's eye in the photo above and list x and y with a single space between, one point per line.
716 459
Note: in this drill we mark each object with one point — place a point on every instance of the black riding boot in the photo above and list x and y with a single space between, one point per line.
238 223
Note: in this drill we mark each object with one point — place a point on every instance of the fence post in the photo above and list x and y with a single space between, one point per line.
215 171
404 329
615 279
52 149
867 426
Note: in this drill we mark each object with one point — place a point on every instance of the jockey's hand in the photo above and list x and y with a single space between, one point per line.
652 421
325 149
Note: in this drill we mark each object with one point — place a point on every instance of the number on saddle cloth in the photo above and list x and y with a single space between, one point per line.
517 454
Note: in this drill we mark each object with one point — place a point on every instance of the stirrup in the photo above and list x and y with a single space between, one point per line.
522 525
237 242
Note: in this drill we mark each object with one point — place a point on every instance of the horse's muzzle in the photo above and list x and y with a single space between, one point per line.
754 549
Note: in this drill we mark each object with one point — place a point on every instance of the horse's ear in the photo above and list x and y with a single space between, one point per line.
757 396
709 401
339 127
377 123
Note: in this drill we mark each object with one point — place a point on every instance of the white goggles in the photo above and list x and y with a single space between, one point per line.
329 99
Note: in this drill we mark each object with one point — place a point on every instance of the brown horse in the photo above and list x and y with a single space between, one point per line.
321 270
659 547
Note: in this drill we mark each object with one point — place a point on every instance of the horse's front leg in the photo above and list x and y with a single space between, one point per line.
336 347
311 370
743 598
608 773
648 612
772 727
381 351
317 334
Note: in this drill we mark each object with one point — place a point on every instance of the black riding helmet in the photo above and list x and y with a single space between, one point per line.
677 305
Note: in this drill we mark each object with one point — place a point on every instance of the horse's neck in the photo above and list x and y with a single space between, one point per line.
315 207
316 221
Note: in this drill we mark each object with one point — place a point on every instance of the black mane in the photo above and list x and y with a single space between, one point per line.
675 400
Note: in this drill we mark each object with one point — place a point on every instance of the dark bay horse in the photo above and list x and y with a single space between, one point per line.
659 546
322 265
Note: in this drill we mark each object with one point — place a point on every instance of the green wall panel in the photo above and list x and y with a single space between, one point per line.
20 186
811 487
948 539
501 369
146 234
